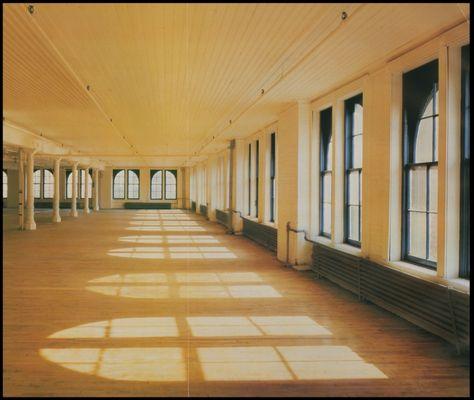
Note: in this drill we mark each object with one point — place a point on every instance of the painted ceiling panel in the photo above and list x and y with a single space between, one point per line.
172 76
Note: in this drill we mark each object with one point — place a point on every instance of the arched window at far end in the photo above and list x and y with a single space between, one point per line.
118 184
170 184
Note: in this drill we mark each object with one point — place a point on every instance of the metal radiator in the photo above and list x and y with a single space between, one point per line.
203 210
260 233
222 217
193 206
436 308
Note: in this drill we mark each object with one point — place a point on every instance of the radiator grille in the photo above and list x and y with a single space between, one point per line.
260 233
436 308
222 217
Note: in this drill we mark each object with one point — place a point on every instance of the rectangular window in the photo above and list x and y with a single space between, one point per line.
118 177
170 184
133 184
420 165
37 184
353 110
272 176
250 179
256 177
156 184
465 253
325 171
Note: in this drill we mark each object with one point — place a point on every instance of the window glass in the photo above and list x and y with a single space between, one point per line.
170 185
37 184
48 184
325 142
5 185
354 115
420 174
156 192
133 182
118 184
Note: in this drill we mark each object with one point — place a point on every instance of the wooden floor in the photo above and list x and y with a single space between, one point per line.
136 303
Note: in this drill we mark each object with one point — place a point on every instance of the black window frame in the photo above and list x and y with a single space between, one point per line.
272 175
257 159
175 173
349 106
325 137
137 172
250 179
115 172
152 174
419 85
465 206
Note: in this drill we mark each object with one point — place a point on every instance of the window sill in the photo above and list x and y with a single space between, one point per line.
346 248
462 285
323 240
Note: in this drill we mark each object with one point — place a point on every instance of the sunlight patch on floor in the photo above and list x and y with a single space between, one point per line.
169 239
156 364
184 252
122 328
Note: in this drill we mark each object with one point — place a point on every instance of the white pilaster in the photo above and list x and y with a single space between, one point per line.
74 191
56 216
21 190
30 224
86 191
96 189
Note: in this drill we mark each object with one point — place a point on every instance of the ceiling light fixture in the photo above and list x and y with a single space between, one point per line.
343 15
31 9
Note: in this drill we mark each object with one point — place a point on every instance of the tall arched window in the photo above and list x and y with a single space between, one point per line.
353 176
170 185
82 178
118 183
272 176
465 250
5 184
133 184
48 184
37 184
325 164
250 179
69 185
420 174
156 184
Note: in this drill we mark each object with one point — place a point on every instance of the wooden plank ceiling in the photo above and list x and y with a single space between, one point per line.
152 84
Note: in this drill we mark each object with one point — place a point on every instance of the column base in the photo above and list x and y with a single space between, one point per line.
56 218
86 211
73 213
96 208
30 226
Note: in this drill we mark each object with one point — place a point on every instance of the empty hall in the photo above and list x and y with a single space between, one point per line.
236 200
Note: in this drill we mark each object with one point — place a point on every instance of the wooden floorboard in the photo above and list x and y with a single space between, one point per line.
159 329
